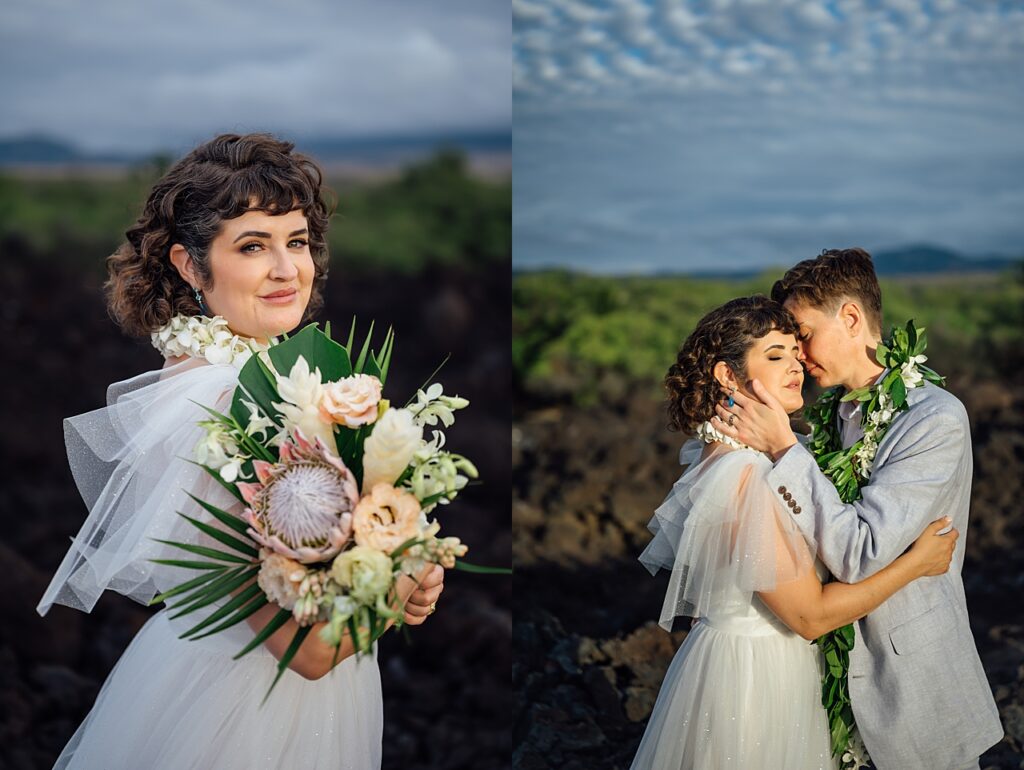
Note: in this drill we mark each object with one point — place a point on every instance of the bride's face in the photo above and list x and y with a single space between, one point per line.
774 361
262 273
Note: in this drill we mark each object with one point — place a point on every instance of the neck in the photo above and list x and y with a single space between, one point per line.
866 370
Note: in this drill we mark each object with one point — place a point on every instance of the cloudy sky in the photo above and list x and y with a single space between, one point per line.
721 134
139 75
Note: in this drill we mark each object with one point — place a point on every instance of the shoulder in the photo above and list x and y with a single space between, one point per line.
728 467
933 404
936 418
712 487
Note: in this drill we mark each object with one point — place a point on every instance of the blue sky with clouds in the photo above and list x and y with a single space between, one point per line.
723 134
140 75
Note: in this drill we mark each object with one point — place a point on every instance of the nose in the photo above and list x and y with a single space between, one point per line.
801 351
284 268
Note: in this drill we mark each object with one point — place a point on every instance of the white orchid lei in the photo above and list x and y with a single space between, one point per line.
200 336
902 354
709 434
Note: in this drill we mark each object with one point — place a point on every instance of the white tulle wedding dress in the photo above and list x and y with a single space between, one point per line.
743 691
171 703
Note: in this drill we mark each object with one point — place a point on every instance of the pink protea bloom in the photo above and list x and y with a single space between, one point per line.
301 506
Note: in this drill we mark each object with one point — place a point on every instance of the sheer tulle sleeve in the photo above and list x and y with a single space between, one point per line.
723 535
129 460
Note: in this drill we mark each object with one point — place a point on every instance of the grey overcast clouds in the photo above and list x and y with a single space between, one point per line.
123 75
727 134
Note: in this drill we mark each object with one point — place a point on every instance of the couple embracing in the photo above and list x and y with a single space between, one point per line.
878 499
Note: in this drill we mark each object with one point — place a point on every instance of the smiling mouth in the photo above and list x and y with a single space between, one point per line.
280 297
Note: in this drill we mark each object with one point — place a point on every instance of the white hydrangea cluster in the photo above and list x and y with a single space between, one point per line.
204 337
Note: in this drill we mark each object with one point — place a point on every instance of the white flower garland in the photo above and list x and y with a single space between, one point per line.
707 433
205 337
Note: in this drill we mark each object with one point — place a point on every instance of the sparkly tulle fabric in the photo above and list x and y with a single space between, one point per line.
171 703
743 691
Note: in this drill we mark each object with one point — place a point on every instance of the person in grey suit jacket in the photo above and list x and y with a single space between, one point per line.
917 686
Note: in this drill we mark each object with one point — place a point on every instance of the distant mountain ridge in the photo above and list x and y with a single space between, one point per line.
43 150
915 259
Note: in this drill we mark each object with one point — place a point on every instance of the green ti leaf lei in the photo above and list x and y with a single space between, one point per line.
849 469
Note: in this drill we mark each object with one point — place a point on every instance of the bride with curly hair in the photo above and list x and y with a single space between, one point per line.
228 253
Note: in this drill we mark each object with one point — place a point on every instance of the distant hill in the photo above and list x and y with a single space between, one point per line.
42 150
919 259
912 260
37 149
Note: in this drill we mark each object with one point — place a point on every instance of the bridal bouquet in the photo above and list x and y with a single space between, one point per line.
336 485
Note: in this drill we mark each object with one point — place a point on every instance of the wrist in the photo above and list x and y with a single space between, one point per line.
780 447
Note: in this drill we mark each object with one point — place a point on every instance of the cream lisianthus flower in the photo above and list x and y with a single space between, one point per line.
388 451
351 401
386 518
365 572
280 578
302 391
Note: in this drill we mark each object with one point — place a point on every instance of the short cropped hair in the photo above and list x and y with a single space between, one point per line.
830 278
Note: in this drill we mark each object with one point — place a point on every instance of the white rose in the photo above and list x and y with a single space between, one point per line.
351 401
388 451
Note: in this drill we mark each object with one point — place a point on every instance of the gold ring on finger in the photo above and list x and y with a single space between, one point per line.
731 418
433 608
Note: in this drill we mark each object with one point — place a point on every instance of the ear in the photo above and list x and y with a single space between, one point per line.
852 318
182 261
724 374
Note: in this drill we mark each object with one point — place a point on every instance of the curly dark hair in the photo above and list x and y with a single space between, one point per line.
831 277
221 179
725 334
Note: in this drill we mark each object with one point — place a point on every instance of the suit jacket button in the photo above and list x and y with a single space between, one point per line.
791 503
787 497
796 509
782 490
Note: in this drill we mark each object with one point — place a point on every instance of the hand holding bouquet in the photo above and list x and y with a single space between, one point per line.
336 485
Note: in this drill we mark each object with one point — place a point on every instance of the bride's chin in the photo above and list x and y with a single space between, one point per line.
793 405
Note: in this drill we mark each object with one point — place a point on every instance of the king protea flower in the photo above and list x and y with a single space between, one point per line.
301 506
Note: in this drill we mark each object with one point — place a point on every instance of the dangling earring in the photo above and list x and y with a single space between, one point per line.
199 301
732 401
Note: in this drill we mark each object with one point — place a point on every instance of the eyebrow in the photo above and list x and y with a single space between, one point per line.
258 234
780 347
